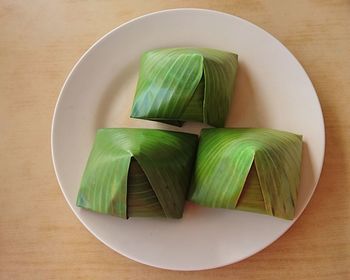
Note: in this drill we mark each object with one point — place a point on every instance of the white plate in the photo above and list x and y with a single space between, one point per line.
272 91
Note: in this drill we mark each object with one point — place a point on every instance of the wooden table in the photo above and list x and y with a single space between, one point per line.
40 238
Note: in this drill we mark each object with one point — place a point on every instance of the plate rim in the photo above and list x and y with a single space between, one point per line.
177 10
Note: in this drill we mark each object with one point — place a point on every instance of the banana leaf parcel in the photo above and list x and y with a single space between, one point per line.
185 84
252 169
138 172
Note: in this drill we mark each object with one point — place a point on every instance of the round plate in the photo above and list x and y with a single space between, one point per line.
272 91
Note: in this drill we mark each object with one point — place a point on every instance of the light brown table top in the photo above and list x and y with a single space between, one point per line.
40 237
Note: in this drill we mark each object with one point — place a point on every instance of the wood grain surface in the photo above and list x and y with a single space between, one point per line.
40 238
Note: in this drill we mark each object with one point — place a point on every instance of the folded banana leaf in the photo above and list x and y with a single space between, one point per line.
252 169
138 172
185 84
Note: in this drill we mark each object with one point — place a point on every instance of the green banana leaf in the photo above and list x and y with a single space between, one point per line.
185 84
252 169
138 172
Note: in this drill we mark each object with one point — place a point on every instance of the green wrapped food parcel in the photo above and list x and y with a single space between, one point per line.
251 169
138 172
185 84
